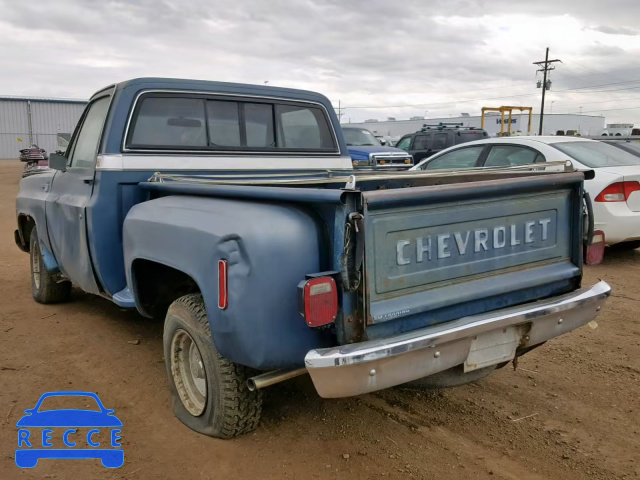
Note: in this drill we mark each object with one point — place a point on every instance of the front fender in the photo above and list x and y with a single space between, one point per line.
270 247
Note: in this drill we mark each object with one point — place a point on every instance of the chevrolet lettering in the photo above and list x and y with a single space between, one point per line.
470 242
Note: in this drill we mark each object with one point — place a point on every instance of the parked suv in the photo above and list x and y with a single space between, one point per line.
433 138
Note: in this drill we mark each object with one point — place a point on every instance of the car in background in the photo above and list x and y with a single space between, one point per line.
632 147
614 190
366 151
432 139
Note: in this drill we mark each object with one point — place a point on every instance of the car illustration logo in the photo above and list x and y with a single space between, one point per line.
93 432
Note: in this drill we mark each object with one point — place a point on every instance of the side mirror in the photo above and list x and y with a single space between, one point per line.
58 162
383 142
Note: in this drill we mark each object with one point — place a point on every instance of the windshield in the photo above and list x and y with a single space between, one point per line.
356 137
597 154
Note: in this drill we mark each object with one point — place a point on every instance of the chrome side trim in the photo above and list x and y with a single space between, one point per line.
373 365
187 161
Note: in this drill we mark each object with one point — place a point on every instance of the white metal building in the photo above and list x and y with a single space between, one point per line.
585 124
24 121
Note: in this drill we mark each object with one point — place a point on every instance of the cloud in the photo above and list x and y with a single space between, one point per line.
616 30
442 56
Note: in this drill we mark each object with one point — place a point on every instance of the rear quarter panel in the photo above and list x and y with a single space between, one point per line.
270 248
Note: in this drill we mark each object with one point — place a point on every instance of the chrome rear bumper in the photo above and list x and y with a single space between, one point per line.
354 369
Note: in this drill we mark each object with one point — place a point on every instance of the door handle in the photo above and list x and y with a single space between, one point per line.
88 180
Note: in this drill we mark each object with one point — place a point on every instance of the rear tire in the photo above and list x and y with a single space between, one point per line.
44 287
626 246
209 394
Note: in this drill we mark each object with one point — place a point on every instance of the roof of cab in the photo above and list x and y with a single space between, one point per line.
208 86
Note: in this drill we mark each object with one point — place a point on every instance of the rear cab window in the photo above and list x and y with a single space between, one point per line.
182 122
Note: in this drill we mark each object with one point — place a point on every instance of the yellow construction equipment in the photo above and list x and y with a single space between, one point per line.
502 111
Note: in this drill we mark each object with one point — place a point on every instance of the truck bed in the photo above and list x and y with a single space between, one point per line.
428 239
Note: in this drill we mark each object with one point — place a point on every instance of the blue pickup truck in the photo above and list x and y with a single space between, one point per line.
367 152
232 212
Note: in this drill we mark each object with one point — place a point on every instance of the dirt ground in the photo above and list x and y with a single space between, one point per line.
570 411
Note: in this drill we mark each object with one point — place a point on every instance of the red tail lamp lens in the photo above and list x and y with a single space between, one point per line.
320 301
595 252
223 297
618 192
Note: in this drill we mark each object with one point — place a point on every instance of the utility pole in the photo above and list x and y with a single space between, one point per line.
546 66
339 111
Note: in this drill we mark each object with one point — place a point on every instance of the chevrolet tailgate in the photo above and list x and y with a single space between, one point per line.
438 253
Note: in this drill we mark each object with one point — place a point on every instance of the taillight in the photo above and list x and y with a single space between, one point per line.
595 250
223 297
618 192
319 301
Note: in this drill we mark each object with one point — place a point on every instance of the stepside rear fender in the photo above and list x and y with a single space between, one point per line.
269 247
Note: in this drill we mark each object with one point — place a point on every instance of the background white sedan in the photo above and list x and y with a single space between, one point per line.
614 191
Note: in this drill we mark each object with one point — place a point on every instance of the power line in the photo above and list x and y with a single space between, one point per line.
597 86
601 101
448 93
606 110
496 98
469 100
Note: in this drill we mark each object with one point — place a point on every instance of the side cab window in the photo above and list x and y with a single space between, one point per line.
85 146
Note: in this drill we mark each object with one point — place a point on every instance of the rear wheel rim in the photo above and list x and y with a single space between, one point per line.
35 265
189 376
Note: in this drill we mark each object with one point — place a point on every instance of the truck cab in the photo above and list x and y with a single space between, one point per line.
367 152
233 213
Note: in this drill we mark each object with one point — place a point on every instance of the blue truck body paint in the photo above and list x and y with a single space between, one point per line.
269 246
113 218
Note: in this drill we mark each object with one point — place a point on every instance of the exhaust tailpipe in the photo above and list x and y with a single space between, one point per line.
271 378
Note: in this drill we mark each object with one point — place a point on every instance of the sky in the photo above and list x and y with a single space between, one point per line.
397 58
